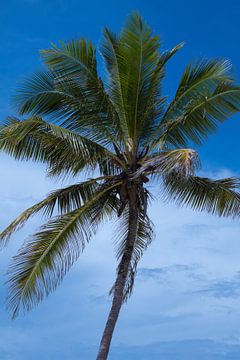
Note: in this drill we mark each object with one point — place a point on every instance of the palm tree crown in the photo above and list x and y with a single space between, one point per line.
123 131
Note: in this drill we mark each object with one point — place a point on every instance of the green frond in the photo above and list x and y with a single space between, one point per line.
63 200
66 102
154 91
166 56
220 197
132 61
202 74
61 99
201 117
154 103
41 263
113 53
141 55
75 63
73 58
198 80
63 150
38 95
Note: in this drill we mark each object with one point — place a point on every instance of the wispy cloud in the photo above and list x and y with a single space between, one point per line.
225 288
165 272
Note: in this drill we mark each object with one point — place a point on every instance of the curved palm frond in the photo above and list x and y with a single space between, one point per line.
75 62
63 200
61 99
74 59
201 117
63 150
67 104
220 197
197 80
43 260
144 238
38 95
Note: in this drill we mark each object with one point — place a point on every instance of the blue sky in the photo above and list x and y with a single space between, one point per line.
186 303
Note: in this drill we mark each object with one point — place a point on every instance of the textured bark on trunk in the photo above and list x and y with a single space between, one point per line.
121 279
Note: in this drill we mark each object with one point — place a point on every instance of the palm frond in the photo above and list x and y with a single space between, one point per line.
154 91
63 150
141 55
220 197
61 99
201 117
41 263
76 58
75 63
167 55
198 79
38 95
154 104
63 200
112 52
144 238
182 161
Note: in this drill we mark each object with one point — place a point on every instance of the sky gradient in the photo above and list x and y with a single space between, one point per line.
186 301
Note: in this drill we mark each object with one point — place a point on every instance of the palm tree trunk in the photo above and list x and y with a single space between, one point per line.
121 279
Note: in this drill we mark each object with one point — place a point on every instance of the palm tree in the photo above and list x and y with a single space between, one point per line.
125 133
